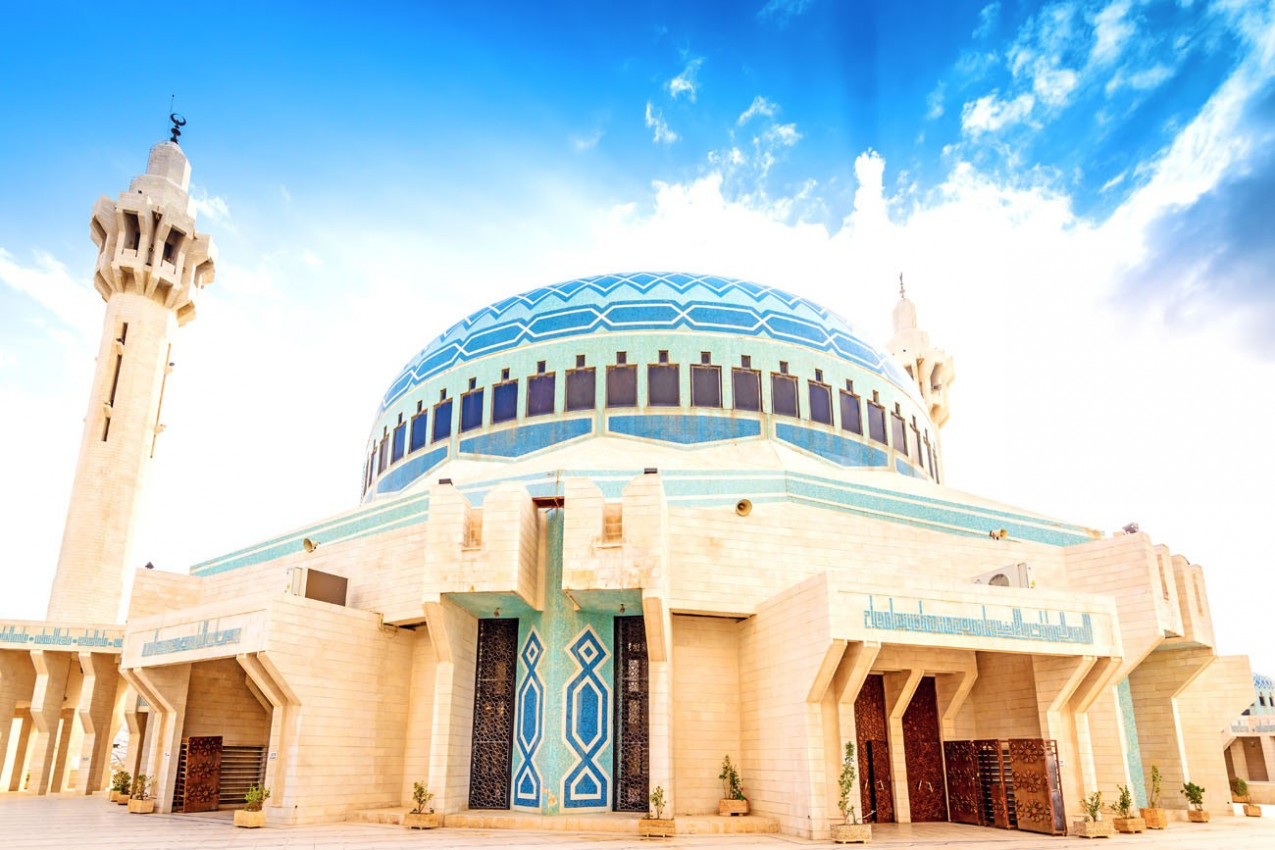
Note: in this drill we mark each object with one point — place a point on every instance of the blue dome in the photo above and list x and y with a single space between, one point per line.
646 301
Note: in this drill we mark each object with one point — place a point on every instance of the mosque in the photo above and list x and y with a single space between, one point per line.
610 530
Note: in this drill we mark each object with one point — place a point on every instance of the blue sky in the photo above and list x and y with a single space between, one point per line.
1078 192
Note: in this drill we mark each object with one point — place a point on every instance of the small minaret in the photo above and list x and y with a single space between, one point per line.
932 368
151 264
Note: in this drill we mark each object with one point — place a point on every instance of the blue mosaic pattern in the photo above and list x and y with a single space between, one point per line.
405 473
1132 749
648 302
525 439
586 725
684 429
530 727
831 447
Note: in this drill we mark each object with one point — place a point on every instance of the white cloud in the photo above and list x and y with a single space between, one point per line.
587 141
987 20
685 82
934 101
989 113
51 285
1141 81
1054 85
655 120
759 106
782 11
212 209
1111 31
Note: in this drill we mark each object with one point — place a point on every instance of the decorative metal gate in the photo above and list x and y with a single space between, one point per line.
964 790
1037 794
923 756
632 758
494 679
199 775
875 791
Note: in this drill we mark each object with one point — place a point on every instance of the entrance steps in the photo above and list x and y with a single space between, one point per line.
608 822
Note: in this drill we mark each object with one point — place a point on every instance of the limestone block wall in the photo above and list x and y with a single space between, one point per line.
491 550
219 702
1206 706
759 555
706 710
781 652
1193 602
420 715
351 677
1125 567
1003 699
157 591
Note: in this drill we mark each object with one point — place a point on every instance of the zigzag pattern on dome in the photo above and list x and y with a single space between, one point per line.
590 305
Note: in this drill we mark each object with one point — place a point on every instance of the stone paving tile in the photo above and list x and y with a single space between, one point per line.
71 822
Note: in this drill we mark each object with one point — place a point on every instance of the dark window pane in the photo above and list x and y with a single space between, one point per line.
384 457
621 386
582 389
706 386
442 420
900 434
916 446
504 402
745 386
471 411
400 443
783 395
850 415
540 394
876 422
418 432
661 386
820 403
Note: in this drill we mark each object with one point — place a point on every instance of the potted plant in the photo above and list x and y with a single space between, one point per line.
1239 790
733 801
141 803
1093 826
252 816
850 830
1124 820
1155 816
655 824
419 817
120 781
1194 803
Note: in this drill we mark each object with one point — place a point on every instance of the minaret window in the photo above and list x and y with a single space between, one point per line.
540 392
471 410
621 383
706 383
851 413
582 386
745 385
876 420
662 381
820 395
172 245
442 420
132 231
783 393
504 400
419 433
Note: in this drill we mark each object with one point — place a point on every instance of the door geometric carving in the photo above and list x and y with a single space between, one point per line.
923 755
203 774
876 794
492 754
964 789
1037 797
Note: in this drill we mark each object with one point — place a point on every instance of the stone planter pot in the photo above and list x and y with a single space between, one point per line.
851 833
123 798
1093 828
1252 811
250 820
1197 816
657 827
1129 825
421 820
141 807
1155 818
114 796
726 808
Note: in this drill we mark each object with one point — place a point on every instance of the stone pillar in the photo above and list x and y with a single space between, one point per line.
23 750
96 712
17 679
454 633
165 688
51 671
899 688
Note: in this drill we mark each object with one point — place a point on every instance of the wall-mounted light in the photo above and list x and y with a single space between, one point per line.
444 481
621 607
496 613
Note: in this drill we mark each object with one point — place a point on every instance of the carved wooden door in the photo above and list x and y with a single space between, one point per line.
923 756
1036 801
203 774
873 752
964 786
490 762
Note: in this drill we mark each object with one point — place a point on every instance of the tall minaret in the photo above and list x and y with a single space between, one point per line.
151 265
931 368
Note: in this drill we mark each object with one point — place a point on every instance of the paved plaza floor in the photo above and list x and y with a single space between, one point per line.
64 822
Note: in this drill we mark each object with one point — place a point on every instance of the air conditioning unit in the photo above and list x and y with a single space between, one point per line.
318 585
1015 575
